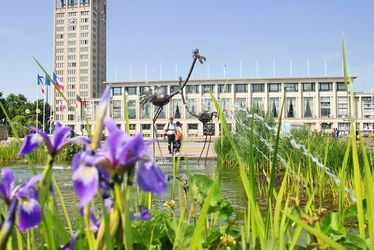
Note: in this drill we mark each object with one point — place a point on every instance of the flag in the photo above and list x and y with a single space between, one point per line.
61 106
79 99
47 81
57 82
40 82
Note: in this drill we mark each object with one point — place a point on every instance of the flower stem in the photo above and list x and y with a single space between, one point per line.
122 203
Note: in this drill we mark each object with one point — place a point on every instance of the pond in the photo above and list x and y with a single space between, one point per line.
231 186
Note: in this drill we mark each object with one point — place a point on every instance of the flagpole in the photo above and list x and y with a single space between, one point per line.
37 105
240 69
160 70
130 72
47 100
208 69
43 113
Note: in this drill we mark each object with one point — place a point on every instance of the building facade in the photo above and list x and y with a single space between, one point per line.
79 54
319 103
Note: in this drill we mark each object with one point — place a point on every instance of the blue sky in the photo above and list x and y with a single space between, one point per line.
153 32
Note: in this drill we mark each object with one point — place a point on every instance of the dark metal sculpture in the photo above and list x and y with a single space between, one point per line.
160 99
205 117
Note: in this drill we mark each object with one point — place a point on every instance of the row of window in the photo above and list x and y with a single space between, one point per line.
273 108
238 88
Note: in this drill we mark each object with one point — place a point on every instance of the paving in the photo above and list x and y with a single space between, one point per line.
190 149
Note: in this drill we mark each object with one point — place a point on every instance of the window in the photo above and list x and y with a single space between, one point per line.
309 86
70 117
161 89
132 126
257 87
130 90
273 106
325 86
368 106
258 103
291 107
225 105
274 87
176 111
192 89
146 126
191 104
174 88
117 91
131 108
224 88
208 88
241 88
146 111
308 107
325 106
207 104
192 126
343 126
117 109
241 102
340 86
159 126
342 106
84 13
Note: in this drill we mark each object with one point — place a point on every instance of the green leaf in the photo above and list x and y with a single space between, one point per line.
354 242
185 233
200 186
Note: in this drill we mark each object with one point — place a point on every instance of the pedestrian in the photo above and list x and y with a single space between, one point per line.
179 136
169 131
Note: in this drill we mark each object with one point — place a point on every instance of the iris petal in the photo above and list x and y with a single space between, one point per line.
86 182
59 138
29 214
7 179
30 143
151 178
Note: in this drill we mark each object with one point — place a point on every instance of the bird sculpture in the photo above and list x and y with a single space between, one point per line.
205 117
160 99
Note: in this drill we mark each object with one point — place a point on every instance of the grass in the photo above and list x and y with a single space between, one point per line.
9 154
286 197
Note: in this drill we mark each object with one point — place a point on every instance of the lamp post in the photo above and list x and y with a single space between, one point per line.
37 111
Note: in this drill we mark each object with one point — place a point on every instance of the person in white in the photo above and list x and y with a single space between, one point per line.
170 130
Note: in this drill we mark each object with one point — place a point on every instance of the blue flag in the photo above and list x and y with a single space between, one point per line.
47 81
40 80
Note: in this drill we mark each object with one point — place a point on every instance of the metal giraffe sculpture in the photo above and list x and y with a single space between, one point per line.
161 99
204 117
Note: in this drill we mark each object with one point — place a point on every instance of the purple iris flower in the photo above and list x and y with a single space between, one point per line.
144 214
122 151
54 145
151 178
85 176
29 211
71 243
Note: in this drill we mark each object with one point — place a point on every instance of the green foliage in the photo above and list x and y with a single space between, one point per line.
17 108
9 153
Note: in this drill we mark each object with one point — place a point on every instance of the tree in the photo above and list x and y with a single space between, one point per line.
2 115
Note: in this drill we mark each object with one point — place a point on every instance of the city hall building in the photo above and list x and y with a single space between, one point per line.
318 103
79 60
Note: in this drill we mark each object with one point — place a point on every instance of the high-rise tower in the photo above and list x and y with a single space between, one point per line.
79 54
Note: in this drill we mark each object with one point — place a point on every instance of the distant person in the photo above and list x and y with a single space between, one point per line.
179 136
337 132
170 131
